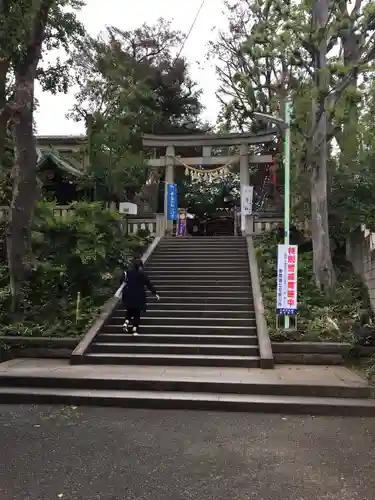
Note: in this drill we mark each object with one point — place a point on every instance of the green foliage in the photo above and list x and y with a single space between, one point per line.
319 55
77 255
115 173
130 84
370 370
260 59
18 43
320 317
202 195
132 77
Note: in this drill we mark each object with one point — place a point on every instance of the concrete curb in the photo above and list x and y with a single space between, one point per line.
37 347
107 310
318 353
265 347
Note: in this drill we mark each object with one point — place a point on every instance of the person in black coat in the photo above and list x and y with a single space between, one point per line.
134 296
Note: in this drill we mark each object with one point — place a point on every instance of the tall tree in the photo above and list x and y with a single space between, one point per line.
132 83
306 33
256 60
135 76
24 29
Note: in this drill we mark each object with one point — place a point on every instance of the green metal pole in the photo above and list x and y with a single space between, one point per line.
288 109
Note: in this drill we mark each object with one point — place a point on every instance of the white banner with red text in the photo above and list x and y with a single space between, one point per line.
286 298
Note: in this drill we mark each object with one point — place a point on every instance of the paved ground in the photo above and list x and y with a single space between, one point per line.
72 453
281 374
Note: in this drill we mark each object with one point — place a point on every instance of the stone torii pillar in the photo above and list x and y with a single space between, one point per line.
169 179
246 220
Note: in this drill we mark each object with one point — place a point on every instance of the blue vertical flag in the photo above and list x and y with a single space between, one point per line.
172 213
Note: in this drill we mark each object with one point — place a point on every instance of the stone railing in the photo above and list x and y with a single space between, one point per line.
137 223
58 211
156 224
265 224
153 223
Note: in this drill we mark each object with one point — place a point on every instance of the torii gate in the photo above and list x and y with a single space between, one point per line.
243 141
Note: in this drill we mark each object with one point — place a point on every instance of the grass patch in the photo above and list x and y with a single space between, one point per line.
321 318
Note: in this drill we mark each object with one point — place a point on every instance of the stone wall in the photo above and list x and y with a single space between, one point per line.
360 251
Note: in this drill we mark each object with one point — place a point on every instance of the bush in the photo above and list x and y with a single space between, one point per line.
320 318
79 255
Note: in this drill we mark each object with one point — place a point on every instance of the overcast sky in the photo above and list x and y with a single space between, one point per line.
127 15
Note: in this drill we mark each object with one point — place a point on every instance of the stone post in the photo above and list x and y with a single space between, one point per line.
246 222
169 179
160 225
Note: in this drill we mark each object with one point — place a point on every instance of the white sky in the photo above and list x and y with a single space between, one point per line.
127 15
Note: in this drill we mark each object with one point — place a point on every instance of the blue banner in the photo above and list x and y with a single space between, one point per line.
172 213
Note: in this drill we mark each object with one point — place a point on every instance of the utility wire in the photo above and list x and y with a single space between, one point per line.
190 30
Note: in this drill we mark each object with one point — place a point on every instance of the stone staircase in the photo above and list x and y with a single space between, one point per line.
205 316
198 348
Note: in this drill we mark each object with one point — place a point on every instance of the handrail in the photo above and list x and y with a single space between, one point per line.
107 310
265 346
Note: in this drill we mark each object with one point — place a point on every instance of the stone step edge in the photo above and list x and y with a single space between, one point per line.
196 327
183 400
178 336
122 355
226 311
243 303
186 318
177 382
166 345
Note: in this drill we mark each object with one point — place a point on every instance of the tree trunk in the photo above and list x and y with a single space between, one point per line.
24 176
24 185
351 43
4 65
322 260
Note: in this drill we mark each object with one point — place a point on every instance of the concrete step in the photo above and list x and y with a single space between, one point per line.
204 294
202 248
210 247
171 359
230 237
198 264
200 273
202 259
186 329
188 321
210 291
196 268
205 240
195 313
206 287
189 379
189 401
178 339
218 304
200 280
140 347
232 300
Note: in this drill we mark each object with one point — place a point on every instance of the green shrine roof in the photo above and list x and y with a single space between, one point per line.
59 162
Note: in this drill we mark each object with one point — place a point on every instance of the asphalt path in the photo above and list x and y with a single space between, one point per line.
72 453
